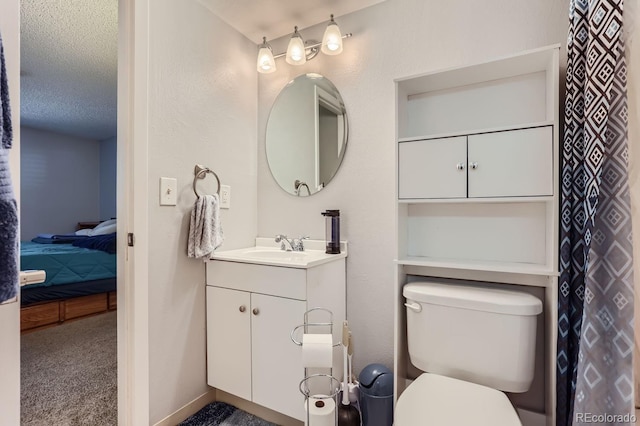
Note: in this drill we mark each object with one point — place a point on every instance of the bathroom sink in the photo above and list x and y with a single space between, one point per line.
266 252
294 256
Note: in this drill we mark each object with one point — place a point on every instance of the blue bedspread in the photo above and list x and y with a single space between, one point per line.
65 263
106 243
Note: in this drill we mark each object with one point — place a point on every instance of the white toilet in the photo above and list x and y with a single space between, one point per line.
472 341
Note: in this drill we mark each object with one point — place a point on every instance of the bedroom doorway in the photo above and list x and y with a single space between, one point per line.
69 140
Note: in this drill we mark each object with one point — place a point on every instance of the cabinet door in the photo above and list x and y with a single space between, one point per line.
434 168
511 164
229 341
277 361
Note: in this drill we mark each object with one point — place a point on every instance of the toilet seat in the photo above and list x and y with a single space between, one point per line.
443 401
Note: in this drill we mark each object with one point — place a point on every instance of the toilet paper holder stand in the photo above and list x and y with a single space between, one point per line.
306 324
310 383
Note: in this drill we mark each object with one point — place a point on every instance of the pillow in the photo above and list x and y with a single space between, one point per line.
105 223
103 230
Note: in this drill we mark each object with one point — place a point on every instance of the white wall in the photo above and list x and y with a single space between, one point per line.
203 107
10 313
60 182
108 178
393 39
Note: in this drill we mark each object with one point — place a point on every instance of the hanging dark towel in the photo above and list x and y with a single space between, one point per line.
5 111
8 207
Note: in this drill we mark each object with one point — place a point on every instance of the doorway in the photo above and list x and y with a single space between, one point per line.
69 54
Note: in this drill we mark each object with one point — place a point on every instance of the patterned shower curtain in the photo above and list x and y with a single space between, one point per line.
595 298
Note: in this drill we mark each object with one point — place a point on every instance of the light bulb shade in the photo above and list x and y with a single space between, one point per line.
296 53
266 63
332 40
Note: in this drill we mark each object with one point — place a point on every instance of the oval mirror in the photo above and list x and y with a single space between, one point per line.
306 135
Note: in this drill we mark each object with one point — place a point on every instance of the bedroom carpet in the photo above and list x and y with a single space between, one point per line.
68 374
222 414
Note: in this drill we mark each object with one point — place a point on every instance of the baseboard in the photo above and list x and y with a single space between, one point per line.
257 410
189 409
529 418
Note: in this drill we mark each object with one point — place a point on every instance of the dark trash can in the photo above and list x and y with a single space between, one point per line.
376 395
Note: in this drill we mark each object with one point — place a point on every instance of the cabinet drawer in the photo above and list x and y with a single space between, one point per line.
271 280
84 305
39 315
434 168
516 163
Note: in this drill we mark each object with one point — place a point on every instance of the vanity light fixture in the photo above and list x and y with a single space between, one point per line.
298 52
332 39
266 63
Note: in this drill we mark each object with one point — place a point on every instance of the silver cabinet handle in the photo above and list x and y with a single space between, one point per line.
256 311
460 166
473 165
242 308
415 307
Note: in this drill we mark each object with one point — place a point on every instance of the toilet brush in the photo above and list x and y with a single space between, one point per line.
348 415
353 384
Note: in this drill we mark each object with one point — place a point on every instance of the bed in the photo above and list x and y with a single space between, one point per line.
80 282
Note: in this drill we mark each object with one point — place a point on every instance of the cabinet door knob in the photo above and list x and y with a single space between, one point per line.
460 166
473 165
256 311
242 308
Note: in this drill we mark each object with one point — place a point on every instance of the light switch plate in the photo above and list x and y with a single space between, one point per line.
168 191
225 197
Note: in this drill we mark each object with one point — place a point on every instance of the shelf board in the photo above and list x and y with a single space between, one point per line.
496 200
478 265
477 131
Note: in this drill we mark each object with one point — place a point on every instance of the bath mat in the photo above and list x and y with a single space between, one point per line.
222 414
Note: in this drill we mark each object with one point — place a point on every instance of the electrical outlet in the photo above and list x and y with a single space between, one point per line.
225 197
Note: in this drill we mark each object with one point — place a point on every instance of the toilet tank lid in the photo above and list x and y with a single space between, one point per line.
474 297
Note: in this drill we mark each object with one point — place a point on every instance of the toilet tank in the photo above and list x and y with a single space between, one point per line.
473 332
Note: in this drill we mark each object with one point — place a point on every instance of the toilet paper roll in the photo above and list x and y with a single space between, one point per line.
317 350
322 411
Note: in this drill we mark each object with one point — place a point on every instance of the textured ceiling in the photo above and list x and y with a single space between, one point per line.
275 18
69 54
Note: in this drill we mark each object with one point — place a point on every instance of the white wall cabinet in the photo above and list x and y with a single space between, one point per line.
434 168
477 190
516 163
251 310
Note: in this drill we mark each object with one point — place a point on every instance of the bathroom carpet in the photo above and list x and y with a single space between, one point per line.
222 414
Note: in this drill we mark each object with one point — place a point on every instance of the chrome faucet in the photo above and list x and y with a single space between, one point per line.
295 244
298 184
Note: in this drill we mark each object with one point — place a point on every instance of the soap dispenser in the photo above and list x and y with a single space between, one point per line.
332 230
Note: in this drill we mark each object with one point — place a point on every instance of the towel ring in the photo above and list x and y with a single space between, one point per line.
200 172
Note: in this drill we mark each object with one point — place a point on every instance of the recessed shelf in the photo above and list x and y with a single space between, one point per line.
472 265
477 131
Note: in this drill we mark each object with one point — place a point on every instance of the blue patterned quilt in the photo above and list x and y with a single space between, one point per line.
65 263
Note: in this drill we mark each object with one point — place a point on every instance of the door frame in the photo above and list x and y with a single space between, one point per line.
10 311
132 196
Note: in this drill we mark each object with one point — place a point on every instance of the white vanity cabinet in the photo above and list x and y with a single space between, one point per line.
257 360
251 310
477 152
